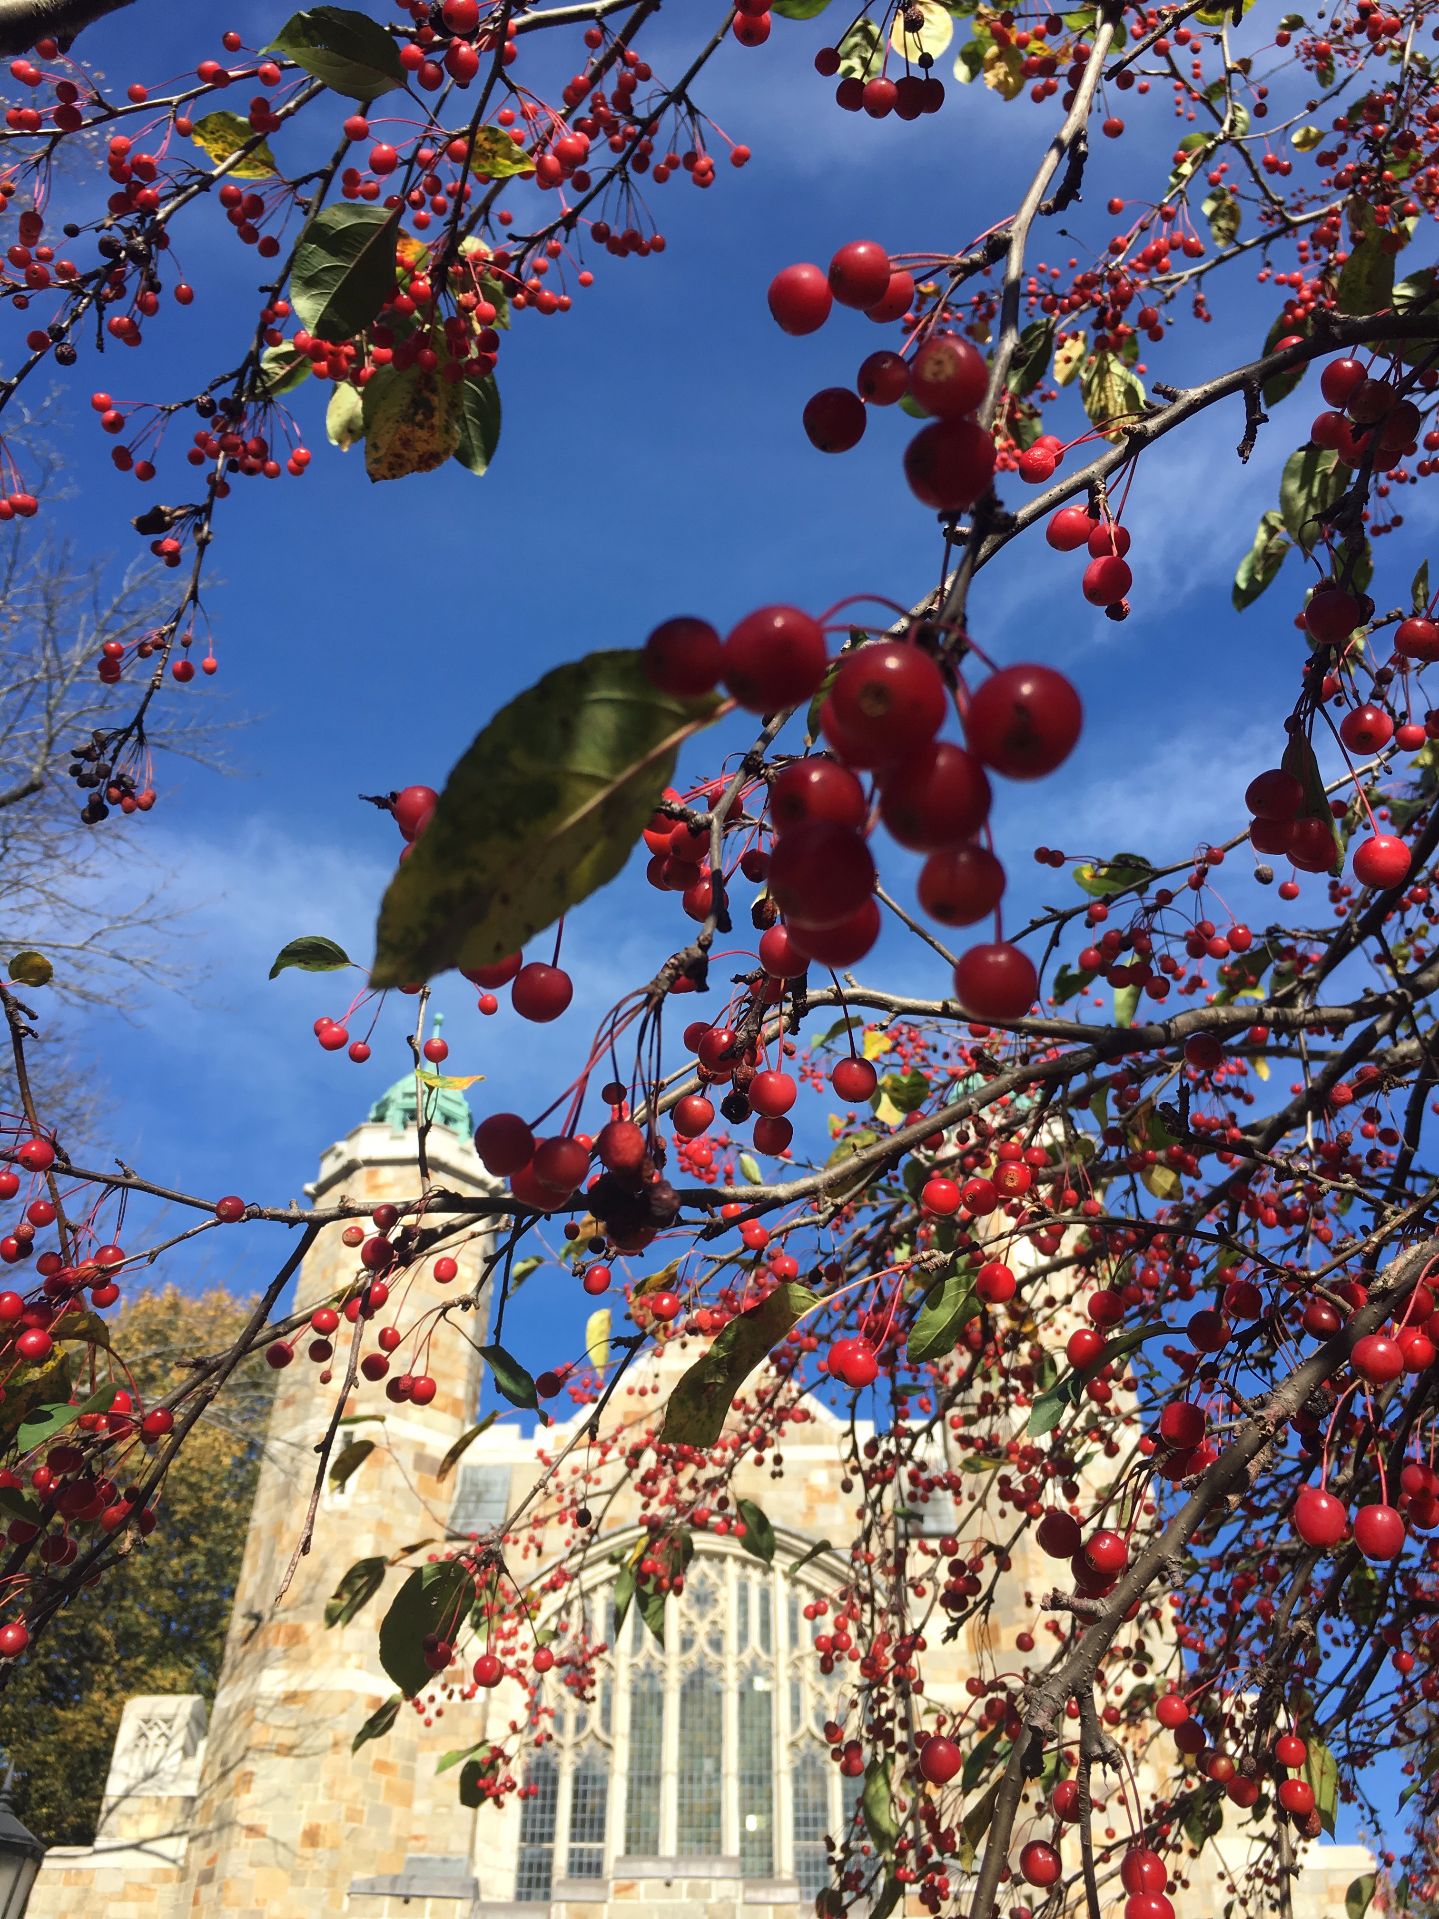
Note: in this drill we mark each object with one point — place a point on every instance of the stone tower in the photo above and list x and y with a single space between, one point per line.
280 1825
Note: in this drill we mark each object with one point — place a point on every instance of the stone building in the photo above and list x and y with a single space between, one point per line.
698 1784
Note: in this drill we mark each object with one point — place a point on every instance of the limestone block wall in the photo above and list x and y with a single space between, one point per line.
285 1817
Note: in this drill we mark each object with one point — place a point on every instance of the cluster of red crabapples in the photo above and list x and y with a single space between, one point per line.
950 462
880 719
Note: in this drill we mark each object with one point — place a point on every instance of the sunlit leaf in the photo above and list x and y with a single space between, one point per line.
349 51
1260 565
312 953
541 810
222 135
920 26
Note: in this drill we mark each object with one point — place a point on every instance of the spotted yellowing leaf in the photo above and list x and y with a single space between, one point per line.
411 420
495 156
222 135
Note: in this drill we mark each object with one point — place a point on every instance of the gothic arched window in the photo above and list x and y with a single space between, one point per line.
710 1746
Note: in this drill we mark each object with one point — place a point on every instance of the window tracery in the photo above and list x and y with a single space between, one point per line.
709 1746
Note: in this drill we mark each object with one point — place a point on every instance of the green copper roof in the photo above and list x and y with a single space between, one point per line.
444 1105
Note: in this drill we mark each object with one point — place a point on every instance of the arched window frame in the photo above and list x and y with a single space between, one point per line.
801 1699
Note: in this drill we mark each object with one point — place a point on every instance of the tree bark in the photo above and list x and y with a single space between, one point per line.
23 22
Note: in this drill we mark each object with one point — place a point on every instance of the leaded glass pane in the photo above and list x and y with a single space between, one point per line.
699 1780
589 1801
766 1619
811 1820
756 1772
643 1773
537 1828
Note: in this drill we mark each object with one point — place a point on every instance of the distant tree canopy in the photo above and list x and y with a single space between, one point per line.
161 1626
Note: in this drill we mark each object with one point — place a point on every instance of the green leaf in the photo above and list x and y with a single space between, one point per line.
479 423
750 1169
1195 149
652 1612
378 1723
1224 214
877 1804
1360 1895
1050 1407
1418 595
981 1759
1311 482
349 1460
1322 1772
947 1309
1260 565
344 269
1070 983
432 1600
852 1024
698 1406
349 51
312 953
473 1775
1031 357
411 421
1109 390
541 810
359 1585
1126 1005
1279 385
14 1505
511 1380
463 1444
1115 875
900 1094
816 1551
1366 280
345 416
890 1894
282 369
1203 1819
624 1593
857 1142
495 156
222 134
457 1758
798 9
861 51
41 1426
758 1532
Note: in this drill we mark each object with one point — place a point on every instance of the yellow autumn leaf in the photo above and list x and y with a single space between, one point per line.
409 251
932 35
597 1338
1069 357
876 1044
223 134
459 1081
1261 1068
1004 71
887 1113
1306 138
